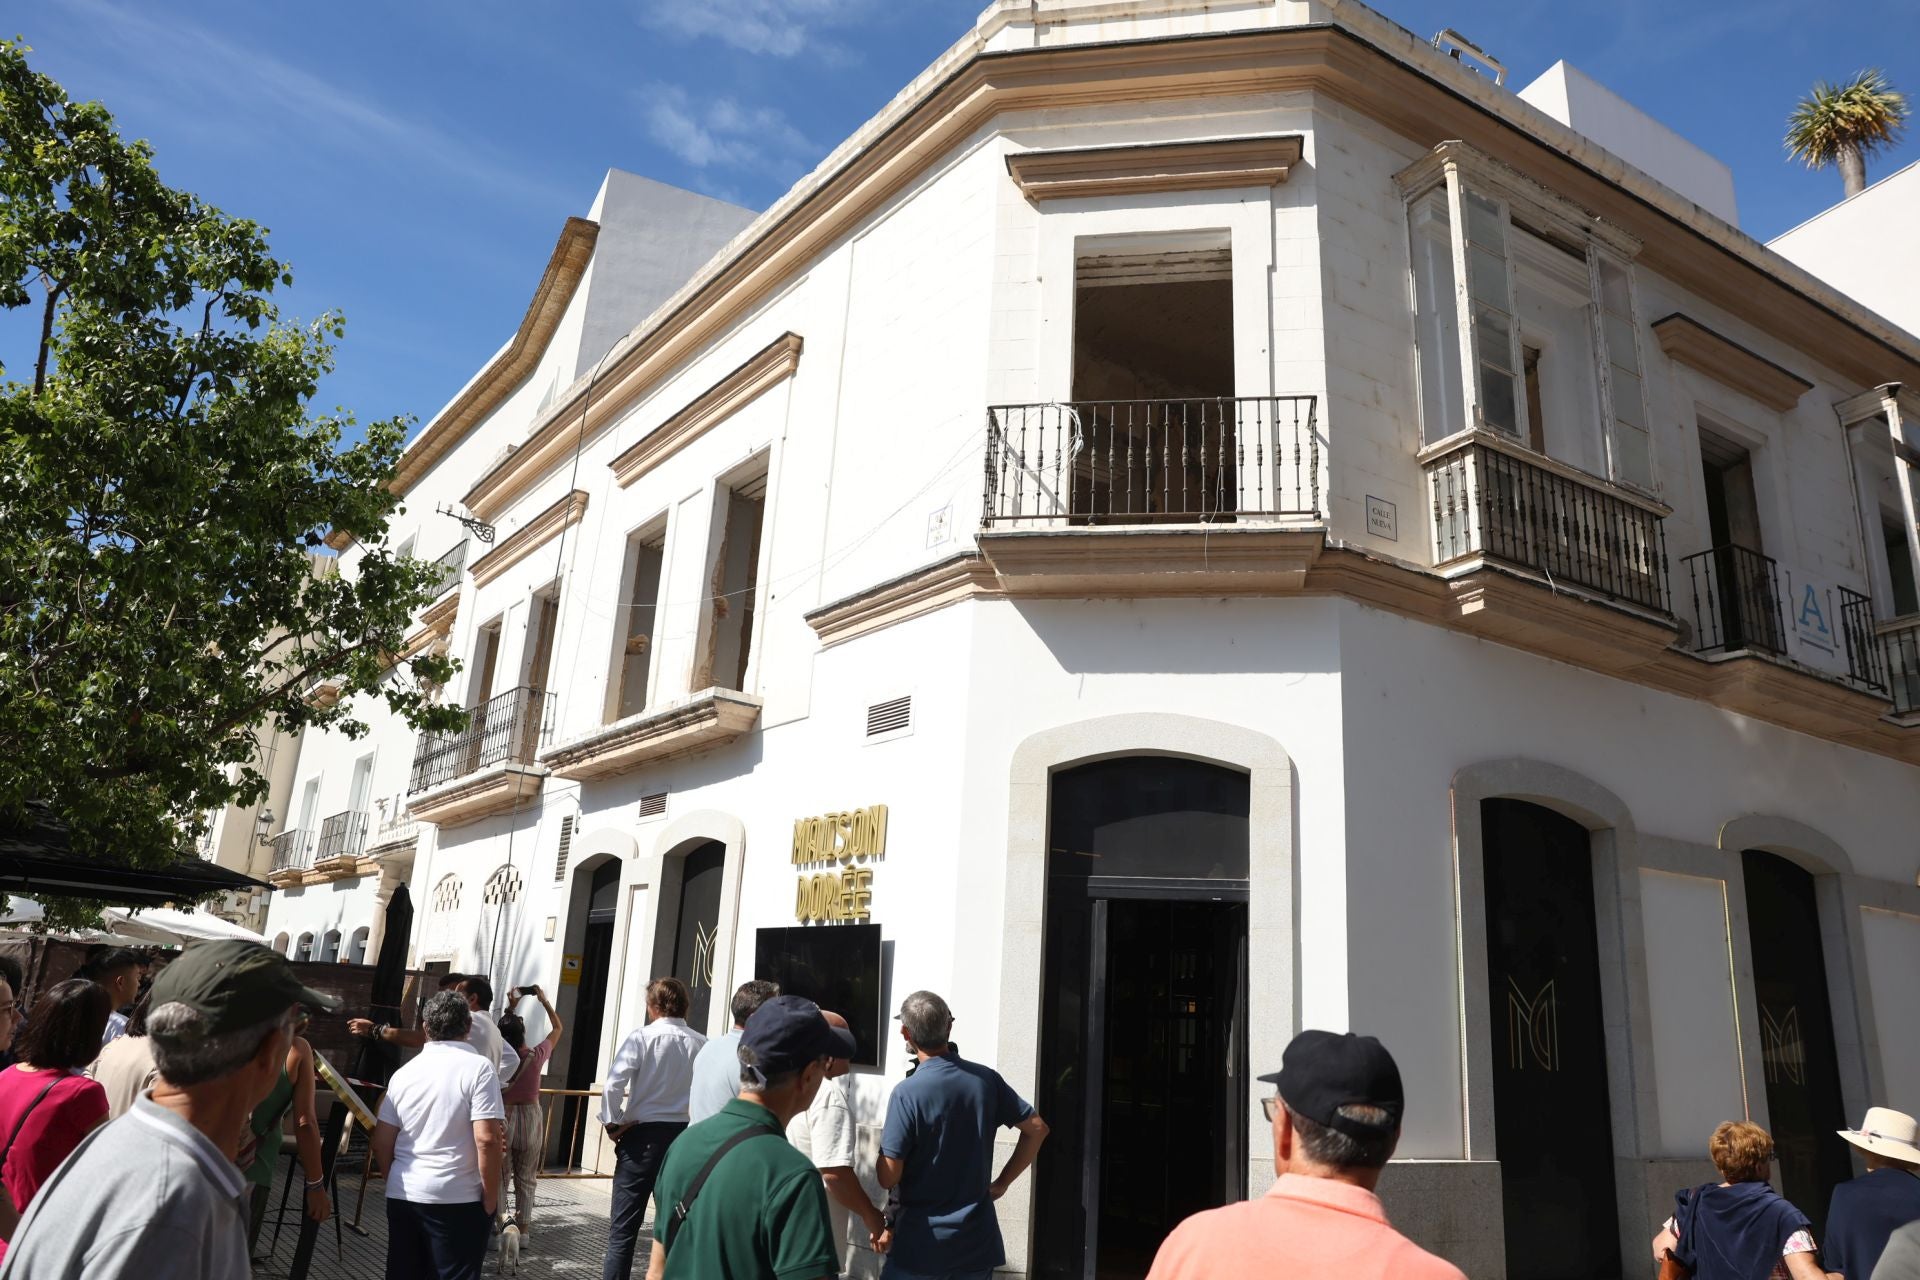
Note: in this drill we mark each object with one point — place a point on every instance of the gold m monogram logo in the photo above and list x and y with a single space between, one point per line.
1781 1047
1533 1028
703 940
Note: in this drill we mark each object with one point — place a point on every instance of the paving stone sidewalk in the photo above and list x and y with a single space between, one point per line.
569 1235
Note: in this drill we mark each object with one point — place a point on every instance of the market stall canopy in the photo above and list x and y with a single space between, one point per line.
37 857
164 924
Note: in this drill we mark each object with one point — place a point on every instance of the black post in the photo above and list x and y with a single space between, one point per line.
330 1132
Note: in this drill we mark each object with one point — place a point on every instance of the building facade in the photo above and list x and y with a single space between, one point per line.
1202 520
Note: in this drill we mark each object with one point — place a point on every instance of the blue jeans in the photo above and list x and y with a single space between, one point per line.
435 1241
636 1163
892 1272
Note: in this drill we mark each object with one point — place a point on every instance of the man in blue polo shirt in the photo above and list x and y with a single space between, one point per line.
937 1148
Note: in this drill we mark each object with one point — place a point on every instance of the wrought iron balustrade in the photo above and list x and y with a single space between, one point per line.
1492 503
451 563
292 850
1152 461
1735 593
1866 661
344 835
1900 644
507 729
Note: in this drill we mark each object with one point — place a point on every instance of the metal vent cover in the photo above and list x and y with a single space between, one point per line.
566 847
654 805
889 717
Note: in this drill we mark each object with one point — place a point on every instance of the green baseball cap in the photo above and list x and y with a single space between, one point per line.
235 984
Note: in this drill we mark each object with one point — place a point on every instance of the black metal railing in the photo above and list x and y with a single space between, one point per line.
292 850
1866 661
1153 461
1488 502
1900 643
452 563
508 729
1735 592
343 835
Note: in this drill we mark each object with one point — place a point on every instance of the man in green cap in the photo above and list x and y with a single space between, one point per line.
156 1193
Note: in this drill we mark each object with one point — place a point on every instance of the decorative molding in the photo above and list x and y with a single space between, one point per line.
565 267
1721 358
323 694
349 867
1153 560
440 614
952 581
529 538
338 539
706 720
478 795
1071 173
771 365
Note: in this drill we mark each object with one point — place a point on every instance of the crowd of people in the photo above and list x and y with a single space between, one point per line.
140 1138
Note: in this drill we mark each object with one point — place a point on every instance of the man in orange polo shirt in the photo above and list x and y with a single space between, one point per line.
1335 1122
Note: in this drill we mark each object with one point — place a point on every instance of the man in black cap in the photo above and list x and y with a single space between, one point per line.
1336 1118
156 1194
731 1205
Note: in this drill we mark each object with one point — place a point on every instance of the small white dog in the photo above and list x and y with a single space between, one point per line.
510 1250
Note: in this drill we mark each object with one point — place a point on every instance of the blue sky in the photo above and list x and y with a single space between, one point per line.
414 161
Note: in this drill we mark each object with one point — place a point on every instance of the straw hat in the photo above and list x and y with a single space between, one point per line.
1887 1132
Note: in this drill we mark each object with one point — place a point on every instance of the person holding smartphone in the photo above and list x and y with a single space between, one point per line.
526 1127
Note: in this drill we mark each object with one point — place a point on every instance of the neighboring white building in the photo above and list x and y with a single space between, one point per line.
1865 246
1292 535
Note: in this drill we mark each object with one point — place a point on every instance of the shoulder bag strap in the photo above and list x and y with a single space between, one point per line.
45 1089
684 1205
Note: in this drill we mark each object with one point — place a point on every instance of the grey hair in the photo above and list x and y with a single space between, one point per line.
447 1016
185 1054
927 1019
752 1077
1339 1150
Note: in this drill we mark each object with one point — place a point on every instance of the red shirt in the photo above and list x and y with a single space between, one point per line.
1302 1229
526 1086
52 1129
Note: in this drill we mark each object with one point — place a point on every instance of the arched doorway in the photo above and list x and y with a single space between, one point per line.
594 977
1553 1127
1797 1054
1143 1054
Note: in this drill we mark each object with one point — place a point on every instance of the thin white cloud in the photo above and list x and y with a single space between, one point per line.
776 28
720 133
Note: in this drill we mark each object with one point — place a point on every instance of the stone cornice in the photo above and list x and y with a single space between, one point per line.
765 369
477 795
1721 358
959 578
1154 167
703 721
529 538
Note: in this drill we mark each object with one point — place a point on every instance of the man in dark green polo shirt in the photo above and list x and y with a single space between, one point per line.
761 1212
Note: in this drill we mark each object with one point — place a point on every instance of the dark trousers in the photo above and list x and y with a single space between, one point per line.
637 1158
436 1241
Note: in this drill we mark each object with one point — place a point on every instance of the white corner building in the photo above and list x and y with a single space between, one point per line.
1203 518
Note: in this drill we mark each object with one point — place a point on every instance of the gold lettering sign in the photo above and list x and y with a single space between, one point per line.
845 891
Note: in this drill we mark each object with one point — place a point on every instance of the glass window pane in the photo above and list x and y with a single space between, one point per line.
1484 223
1628 406
1436 321
1614 294
1620 348
1632 456
1487 275
1497 397
1494 330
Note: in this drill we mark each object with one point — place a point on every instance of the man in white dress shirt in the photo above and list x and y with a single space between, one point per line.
485 1035
644 1108
716 1072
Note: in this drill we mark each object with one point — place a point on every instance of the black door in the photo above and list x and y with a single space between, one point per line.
1552 1120
1143 1054
1796 1034
697 927
596 975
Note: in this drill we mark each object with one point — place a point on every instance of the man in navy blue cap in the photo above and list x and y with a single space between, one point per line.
1336 1119
732 1205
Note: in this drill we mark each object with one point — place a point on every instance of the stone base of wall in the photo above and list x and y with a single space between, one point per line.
1451 1208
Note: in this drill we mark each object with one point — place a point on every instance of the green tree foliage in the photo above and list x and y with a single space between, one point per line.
164 490
1842 124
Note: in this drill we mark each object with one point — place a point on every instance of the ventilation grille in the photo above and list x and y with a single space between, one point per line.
889 717
654 805
566 847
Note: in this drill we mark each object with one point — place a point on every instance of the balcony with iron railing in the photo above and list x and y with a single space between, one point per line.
452 563
1493 500
342 837
507 729
1197 461
292 854
1734 594
1899 643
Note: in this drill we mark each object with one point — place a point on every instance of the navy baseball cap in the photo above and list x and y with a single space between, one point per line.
1322 1071
788 1032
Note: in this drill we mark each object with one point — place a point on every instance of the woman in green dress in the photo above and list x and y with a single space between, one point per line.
293 1092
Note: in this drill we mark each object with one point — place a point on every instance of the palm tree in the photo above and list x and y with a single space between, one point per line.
1839 124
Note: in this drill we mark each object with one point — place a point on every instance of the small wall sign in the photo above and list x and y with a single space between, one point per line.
1383 519
570 970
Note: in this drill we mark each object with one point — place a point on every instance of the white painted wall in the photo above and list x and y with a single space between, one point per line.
1865 247
1893 958
1690 987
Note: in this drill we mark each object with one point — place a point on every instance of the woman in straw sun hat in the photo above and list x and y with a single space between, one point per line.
1886 1197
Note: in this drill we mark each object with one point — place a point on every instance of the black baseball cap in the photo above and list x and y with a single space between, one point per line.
235 984
1322 1071
788 1032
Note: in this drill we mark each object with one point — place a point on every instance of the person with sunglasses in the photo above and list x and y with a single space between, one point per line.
292 1092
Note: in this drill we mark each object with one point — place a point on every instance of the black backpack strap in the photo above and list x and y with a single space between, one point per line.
684 1205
